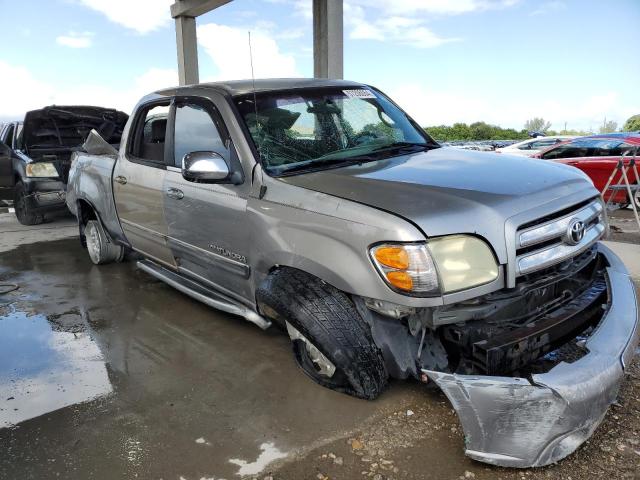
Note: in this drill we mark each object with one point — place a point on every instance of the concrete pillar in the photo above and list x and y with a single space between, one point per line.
327 39
187 44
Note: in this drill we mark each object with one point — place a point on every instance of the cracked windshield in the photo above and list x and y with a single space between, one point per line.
316 129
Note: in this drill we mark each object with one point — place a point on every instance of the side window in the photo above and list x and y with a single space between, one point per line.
566 151
526 146
542 144
195 131
8 136
148 141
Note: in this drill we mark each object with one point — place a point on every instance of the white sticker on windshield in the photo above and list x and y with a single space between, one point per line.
359 93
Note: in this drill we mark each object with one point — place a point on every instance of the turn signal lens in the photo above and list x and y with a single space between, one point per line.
394 257
401 280
406 268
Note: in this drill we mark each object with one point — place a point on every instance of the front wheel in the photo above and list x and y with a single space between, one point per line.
101 249
23 210
332 344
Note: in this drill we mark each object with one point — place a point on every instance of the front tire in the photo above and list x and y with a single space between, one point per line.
101 249
24 214
332 344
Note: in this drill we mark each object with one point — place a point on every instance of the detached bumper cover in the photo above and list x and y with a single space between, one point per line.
515 422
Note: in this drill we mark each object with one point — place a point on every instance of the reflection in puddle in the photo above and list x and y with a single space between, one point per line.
43 369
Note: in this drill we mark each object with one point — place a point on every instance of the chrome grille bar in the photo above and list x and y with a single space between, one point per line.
557 227
559 252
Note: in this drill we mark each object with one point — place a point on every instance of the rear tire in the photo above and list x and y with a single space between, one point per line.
332 344
24 214
101 249
636 199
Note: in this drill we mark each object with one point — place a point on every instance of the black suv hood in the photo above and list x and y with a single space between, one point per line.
57 127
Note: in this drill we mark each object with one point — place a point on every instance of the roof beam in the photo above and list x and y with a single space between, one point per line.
195 8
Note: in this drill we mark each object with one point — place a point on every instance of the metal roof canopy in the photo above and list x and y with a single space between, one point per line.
327 37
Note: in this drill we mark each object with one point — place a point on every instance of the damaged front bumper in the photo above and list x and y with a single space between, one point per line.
517 422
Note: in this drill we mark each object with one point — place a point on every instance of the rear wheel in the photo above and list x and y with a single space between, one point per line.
332 344
101 249
24 213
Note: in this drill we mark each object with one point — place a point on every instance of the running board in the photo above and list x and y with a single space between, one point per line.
205 295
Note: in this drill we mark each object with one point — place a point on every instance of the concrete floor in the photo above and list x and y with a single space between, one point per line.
106 373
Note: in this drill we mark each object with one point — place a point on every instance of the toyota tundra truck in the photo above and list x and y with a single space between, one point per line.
320 207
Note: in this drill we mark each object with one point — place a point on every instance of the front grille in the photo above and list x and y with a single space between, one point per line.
550 240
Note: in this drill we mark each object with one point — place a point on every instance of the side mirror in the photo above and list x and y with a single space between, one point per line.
204 167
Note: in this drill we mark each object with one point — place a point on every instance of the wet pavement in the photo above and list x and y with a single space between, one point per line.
107 373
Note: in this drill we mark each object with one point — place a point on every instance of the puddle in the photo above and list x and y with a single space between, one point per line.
43 368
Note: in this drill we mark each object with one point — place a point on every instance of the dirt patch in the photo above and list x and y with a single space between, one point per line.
417 443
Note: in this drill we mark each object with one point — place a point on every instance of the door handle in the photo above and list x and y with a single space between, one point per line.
175 193
121 180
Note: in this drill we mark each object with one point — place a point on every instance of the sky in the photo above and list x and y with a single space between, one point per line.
444 61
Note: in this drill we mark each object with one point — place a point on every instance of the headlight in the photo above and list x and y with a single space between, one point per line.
442 265
41 169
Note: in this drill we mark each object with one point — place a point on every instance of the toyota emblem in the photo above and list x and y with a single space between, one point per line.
575 231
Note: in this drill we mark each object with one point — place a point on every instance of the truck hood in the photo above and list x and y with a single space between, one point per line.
446 190
66 127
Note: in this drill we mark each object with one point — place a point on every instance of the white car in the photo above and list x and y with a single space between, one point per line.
530 147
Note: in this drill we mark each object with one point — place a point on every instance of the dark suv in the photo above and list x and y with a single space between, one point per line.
35 155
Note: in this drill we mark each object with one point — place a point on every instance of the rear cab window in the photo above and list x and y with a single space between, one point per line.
147 144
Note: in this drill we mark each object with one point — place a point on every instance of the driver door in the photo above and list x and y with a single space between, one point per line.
207 221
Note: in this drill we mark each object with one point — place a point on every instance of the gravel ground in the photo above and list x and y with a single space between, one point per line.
415 442
623 226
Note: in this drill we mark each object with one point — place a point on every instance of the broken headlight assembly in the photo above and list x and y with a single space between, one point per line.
41 169
441 265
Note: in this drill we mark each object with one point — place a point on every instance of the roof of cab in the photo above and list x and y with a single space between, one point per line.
243 87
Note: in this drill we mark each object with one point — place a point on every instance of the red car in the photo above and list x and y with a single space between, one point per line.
597 156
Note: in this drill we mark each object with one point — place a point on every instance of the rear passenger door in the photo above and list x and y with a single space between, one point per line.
6 167
207 228
138 180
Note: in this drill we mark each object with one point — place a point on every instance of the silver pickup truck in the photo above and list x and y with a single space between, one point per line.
323 208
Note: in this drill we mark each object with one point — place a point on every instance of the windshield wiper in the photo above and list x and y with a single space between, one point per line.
417 146
326 163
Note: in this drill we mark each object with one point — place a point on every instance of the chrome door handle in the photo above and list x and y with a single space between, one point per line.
175 193
120 179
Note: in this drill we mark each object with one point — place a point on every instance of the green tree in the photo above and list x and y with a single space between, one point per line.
609 126
632 124
537 124
475 131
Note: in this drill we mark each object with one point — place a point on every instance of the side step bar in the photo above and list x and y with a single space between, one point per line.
205 295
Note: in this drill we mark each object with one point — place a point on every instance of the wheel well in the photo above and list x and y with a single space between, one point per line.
85 212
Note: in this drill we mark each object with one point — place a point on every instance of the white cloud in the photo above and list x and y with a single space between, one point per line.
549 7
440 7
442 107
29 92
143 16
403 30
228 47
76 39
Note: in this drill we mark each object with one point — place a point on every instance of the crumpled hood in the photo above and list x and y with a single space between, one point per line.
68 126
447 190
